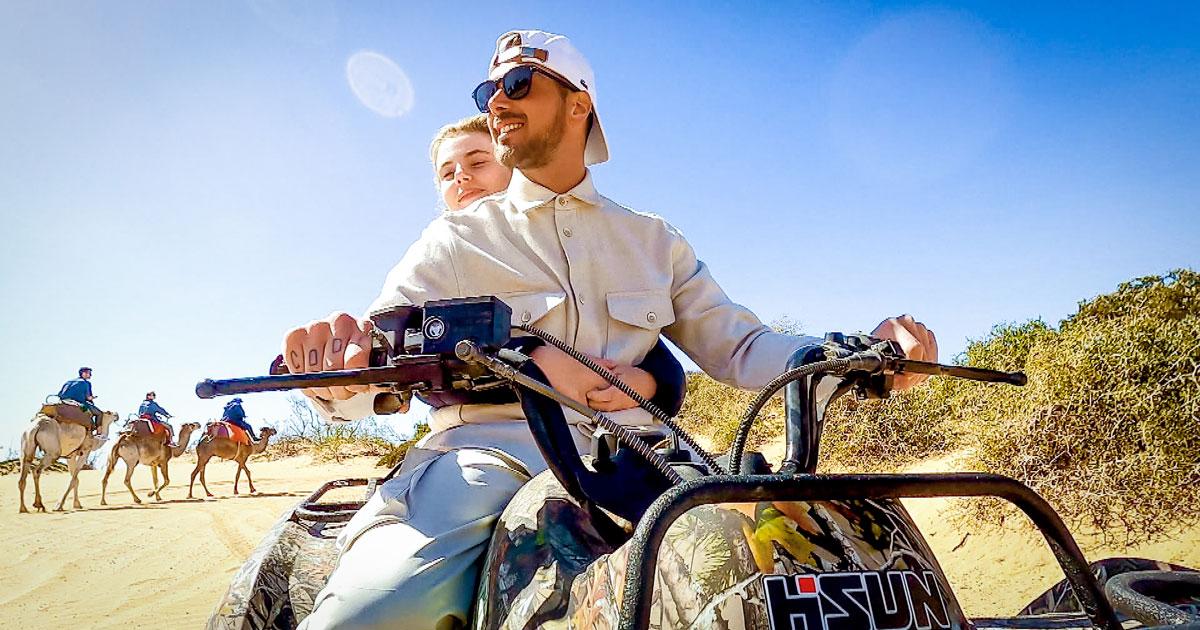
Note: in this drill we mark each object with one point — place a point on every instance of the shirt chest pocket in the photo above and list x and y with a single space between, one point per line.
636 317
529 308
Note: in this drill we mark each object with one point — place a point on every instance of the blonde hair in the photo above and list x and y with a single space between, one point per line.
471 124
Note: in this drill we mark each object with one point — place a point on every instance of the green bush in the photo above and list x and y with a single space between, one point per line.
305 431
713 410
1106 430
396 453
884 435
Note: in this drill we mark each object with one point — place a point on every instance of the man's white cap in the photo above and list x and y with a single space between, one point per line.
556 54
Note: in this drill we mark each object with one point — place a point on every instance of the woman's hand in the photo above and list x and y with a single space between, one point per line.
579 383
568 376
612 399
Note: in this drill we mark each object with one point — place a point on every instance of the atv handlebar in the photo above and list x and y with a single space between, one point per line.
413 373
817 375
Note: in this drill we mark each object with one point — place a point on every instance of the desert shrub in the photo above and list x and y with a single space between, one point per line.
12 466
713 410
883 435
858 435
395 454
305 431
1106 430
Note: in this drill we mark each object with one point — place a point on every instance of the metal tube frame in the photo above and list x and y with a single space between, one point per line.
643 556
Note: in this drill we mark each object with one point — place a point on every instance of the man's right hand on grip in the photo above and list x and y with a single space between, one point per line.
340 341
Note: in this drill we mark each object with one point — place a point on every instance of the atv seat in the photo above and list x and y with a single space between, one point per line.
222 429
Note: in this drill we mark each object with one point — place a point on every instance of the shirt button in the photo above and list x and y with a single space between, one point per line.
567 232
651 317
525 317
582 300
562 201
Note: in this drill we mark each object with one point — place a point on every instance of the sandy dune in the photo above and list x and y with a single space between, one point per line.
166 564
997 571
161 564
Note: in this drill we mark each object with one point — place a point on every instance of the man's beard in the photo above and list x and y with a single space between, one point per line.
537 151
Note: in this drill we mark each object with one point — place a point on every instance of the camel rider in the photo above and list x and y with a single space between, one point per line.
79 391
235 415
153 412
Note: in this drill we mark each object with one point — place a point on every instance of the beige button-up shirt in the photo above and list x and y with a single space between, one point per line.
602 277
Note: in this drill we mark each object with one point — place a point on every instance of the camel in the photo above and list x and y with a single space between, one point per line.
58 439
148 450
227 449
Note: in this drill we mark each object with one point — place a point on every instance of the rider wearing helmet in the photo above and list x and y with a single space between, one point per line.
234 414
79 392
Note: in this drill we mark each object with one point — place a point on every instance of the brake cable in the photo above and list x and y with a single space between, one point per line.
607 375
833 366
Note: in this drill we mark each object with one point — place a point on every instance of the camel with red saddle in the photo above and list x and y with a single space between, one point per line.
59 431
229 442
146 442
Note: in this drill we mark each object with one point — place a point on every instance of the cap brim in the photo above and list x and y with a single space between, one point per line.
596 150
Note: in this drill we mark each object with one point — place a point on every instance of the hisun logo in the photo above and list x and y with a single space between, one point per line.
895 600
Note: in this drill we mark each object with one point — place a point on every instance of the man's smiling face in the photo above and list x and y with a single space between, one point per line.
527 131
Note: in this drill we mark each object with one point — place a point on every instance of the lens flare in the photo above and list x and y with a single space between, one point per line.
379 84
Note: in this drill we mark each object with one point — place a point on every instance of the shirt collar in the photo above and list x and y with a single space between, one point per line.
525 194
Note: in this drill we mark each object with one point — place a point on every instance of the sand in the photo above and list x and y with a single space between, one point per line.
166 564
996 571
162 564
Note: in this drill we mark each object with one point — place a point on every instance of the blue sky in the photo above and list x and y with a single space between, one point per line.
181 182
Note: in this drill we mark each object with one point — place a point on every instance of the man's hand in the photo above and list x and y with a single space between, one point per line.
917 341
337 342
612 399
567 375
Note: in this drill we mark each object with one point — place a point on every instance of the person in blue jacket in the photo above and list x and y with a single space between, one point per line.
79 391
151 410
234 414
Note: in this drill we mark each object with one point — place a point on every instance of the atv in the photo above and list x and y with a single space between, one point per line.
648 530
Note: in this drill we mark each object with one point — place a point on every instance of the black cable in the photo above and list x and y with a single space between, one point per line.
743 432
640 446
659 414
468 351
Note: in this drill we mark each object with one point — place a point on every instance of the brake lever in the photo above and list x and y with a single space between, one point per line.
874 355
901 366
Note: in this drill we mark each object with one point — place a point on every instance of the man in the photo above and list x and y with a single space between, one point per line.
79 392
234 414
604 278
152 412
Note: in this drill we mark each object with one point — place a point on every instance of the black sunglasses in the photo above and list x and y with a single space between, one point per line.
515 83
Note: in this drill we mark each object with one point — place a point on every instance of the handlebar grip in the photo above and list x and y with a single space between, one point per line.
209 388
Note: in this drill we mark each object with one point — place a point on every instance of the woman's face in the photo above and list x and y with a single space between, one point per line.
467 170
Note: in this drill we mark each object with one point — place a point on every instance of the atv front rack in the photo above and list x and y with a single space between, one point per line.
313 509
643 551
